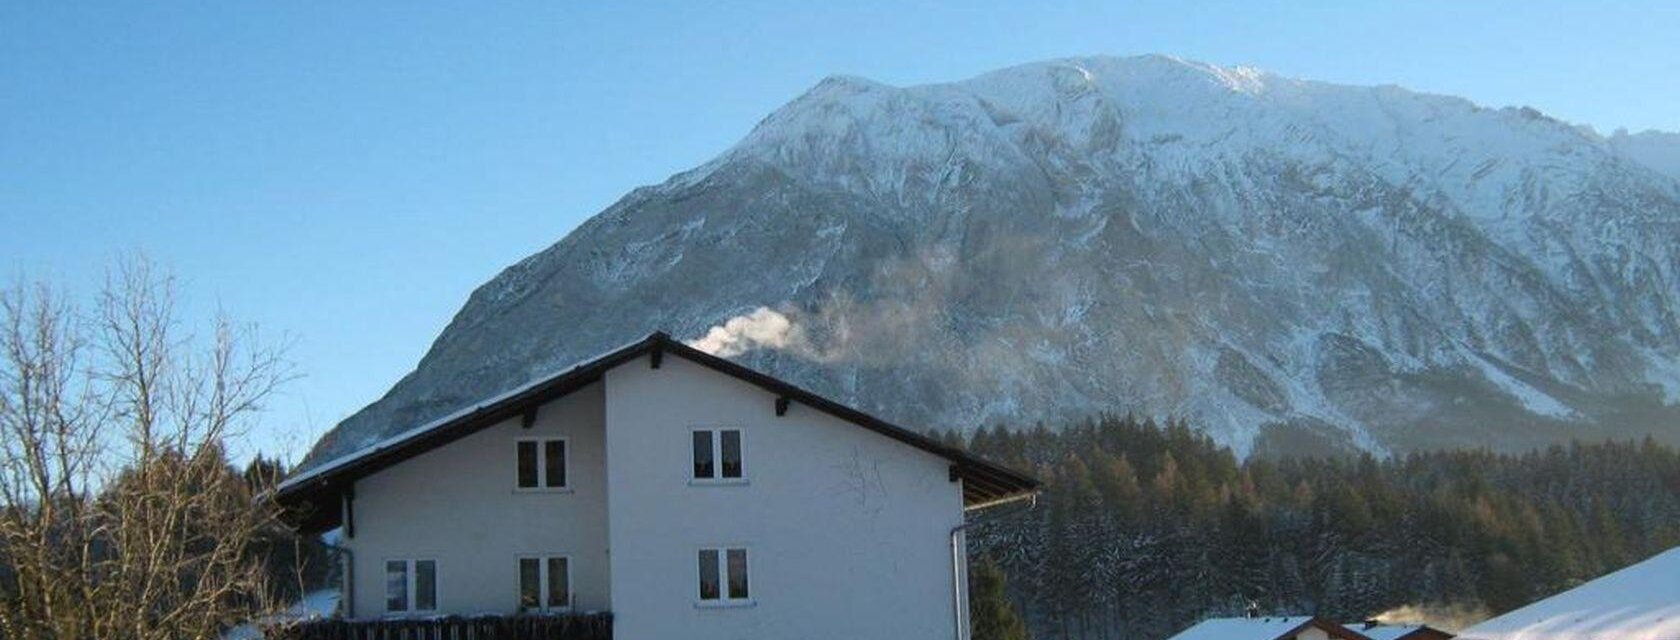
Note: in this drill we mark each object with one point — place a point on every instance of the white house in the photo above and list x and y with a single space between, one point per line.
687 495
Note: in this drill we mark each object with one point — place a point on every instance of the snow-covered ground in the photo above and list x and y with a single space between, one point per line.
1641 602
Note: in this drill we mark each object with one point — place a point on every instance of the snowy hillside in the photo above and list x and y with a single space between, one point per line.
1294 265
1641 602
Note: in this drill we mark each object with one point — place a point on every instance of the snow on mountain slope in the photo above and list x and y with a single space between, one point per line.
1655 149
1295 265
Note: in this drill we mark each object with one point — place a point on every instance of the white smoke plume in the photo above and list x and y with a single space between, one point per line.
761 328
1452 618
907 308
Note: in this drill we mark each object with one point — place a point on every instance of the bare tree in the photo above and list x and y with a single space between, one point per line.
121 516
48 457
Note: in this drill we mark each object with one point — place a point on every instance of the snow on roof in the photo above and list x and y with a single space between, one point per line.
1641 602
312 606
1243 628
984 484
311 473
1386 631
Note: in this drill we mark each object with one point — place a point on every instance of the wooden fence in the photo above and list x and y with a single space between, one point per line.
592 626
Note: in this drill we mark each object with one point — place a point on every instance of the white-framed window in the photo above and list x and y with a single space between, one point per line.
722 575
540 463
545 583
411 586
719 454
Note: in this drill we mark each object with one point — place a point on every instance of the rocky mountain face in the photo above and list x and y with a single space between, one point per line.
1295 266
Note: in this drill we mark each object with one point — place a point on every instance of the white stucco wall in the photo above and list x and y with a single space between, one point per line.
1312 633
458 504
847 530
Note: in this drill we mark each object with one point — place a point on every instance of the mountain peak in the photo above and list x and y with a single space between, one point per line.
1658 150
1291 265
847 83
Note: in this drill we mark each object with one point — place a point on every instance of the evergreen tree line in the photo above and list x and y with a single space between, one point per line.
1144 529
295 564
289 564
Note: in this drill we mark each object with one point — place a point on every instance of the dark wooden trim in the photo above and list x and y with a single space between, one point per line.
656 356
528 418
1330 628
519 626
782 405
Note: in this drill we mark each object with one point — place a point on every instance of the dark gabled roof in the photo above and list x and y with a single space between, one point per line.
1331 628
1378 631
1267 628
311 496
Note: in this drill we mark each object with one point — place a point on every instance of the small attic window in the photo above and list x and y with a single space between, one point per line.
719 455
541 463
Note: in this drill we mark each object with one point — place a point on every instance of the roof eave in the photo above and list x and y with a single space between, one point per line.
994 484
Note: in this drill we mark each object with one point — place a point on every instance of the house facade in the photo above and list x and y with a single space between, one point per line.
687 495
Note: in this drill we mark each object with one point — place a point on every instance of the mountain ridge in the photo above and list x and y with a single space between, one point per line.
1282 261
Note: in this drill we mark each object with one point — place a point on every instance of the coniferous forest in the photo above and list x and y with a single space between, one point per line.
1143 529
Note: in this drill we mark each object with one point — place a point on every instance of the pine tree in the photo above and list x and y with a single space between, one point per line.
991 616
1144 529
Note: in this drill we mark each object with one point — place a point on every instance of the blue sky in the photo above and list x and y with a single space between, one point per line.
346 173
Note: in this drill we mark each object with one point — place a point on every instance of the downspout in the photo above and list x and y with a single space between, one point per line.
347 557
347 592
958 561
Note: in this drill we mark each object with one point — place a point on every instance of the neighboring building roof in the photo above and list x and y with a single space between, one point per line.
1273 628
1400 631
1641 602
311 496
314 605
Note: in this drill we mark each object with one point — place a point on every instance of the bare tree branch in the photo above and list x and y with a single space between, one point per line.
121 517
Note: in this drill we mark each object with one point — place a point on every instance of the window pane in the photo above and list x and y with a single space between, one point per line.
559 584
554 463
396 585
703 454
527 464
708 574
737 574
425 585
731 453
530 584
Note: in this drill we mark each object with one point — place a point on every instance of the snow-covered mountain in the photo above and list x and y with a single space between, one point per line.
1294 265
1656 149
